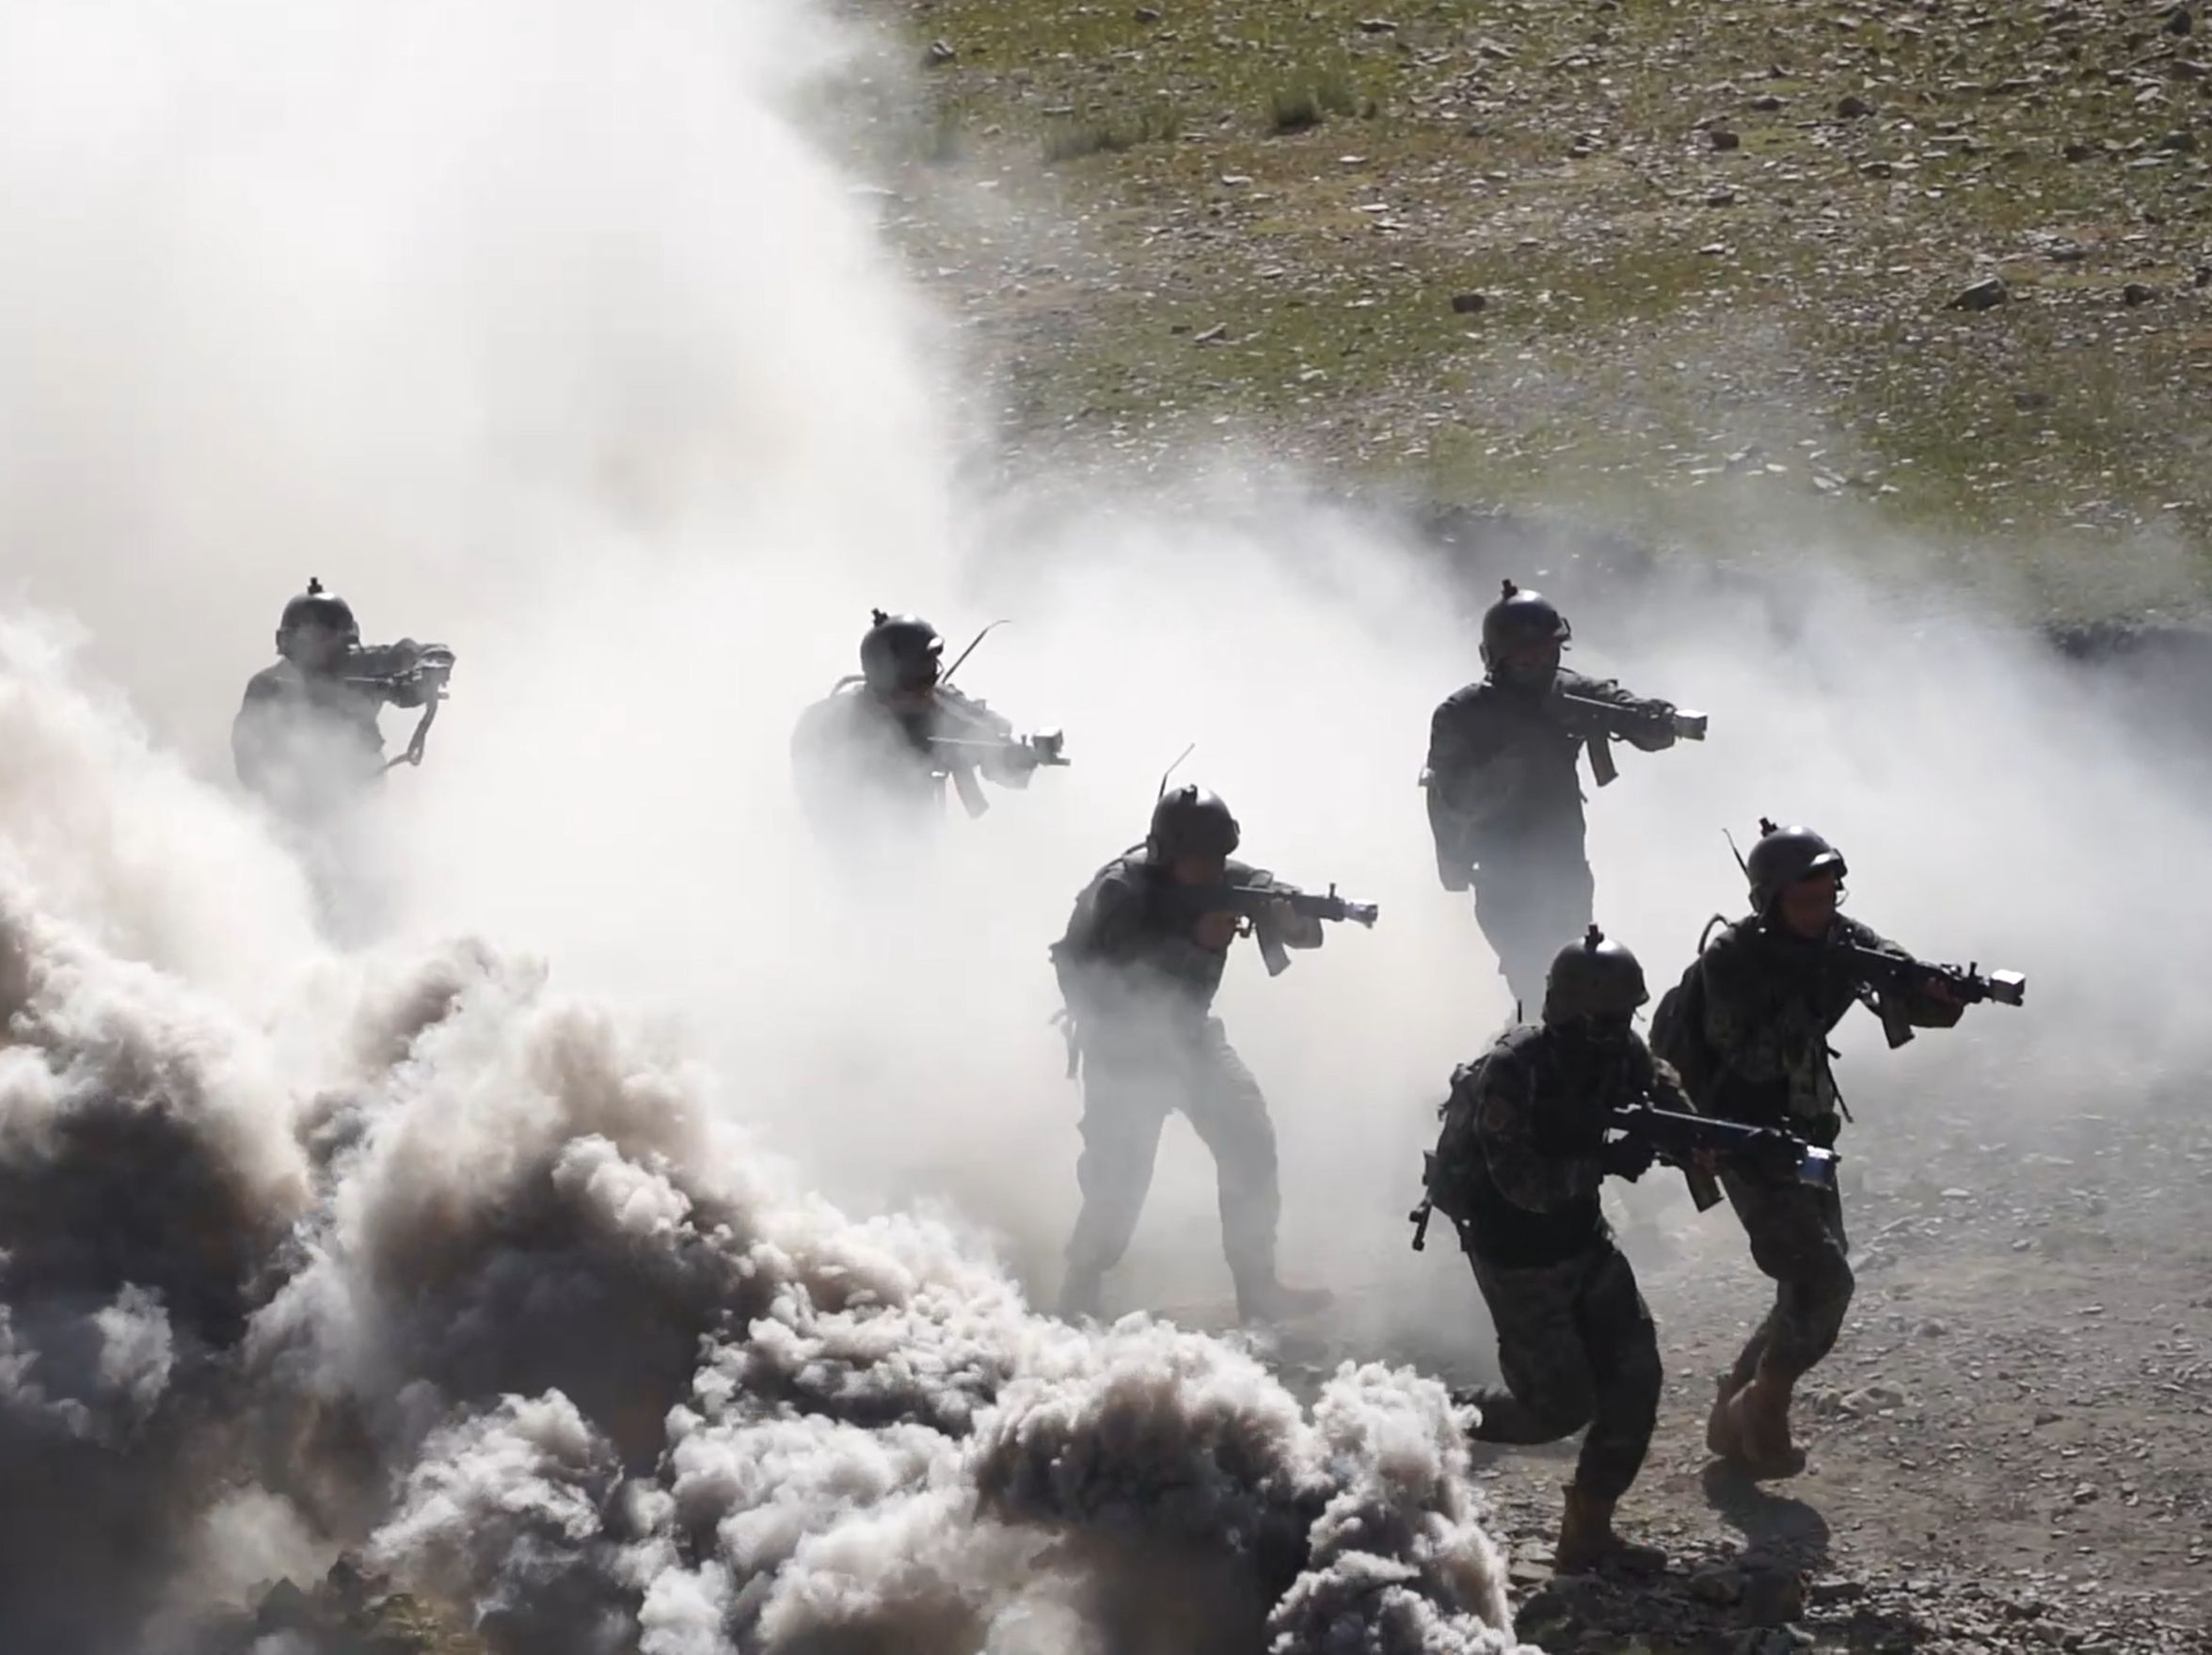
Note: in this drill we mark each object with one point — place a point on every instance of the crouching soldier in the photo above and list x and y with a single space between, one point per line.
1517 1169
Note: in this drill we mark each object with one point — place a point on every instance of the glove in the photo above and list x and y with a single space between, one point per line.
1627 1157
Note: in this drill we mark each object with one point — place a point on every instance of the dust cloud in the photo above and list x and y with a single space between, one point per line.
631 1245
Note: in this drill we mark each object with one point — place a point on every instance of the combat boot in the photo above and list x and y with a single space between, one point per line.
1758 1417
1721 1439
1587 1539
1269 1300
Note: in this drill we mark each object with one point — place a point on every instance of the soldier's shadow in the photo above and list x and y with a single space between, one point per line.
1775 1527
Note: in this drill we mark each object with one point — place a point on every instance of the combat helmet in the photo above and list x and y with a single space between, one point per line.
1191 821
1783 856
316 607
900 653
1594 978
1517 619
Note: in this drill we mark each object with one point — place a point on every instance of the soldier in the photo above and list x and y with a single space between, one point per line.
895 733
1138 967
1759 1005
306 739
1517 1169
1503 800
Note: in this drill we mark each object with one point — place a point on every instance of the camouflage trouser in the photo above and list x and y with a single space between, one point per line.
1797 1239
1577 1348
1127 1097
1530 909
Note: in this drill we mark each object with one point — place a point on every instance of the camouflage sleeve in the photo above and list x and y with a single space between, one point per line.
1474 771
1656 1079
1294 930
1650 725
1106 935
998 756
1922 1010
1752 1029
250 740
1504 1126
1109 921
255 737
403 690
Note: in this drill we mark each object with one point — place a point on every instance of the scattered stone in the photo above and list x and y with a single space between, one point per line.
1854 107
1724 138
1878 168
1773 1597
939 54
1378 26
1523 1573
1985 295
1723 1586
2179 143
2027 402
1870 1399
1724 197
1766 103
1213 335
1468 304
2180 20
2078 151
1932 1328
1147 14
2137 293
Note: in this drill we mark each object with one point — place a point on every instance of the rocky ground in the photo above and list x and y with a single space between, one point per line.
1723 269
2011 1448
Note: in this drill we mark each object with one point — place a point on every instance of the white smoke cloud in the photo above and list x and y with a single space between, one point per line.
485 1283
544 330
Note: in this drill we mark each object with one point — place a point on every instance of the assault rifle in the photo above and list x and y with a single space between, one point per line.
1255 903
1679 1139
407 673
1600 723
1888 978
975 735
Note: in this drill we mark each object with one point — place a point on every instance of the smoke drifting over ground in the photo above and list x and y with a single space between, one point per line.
482 1282
542 331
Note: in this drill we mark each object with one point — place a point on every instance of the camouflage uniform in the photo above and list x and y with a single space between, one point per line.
1505 808
854 752
1575 1342
307 743
1769 1000
1139 988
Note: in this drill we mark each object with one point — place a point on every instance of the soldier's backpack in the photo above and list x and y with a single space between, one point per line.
1447 1170
1678 1027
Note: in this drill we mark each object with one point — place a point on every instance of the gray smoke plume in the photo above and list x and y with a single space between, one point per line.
479 1282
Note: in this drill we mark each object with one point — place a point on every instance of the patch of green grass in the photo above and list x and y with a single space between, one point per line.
1557 159
1070 140
1298 104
